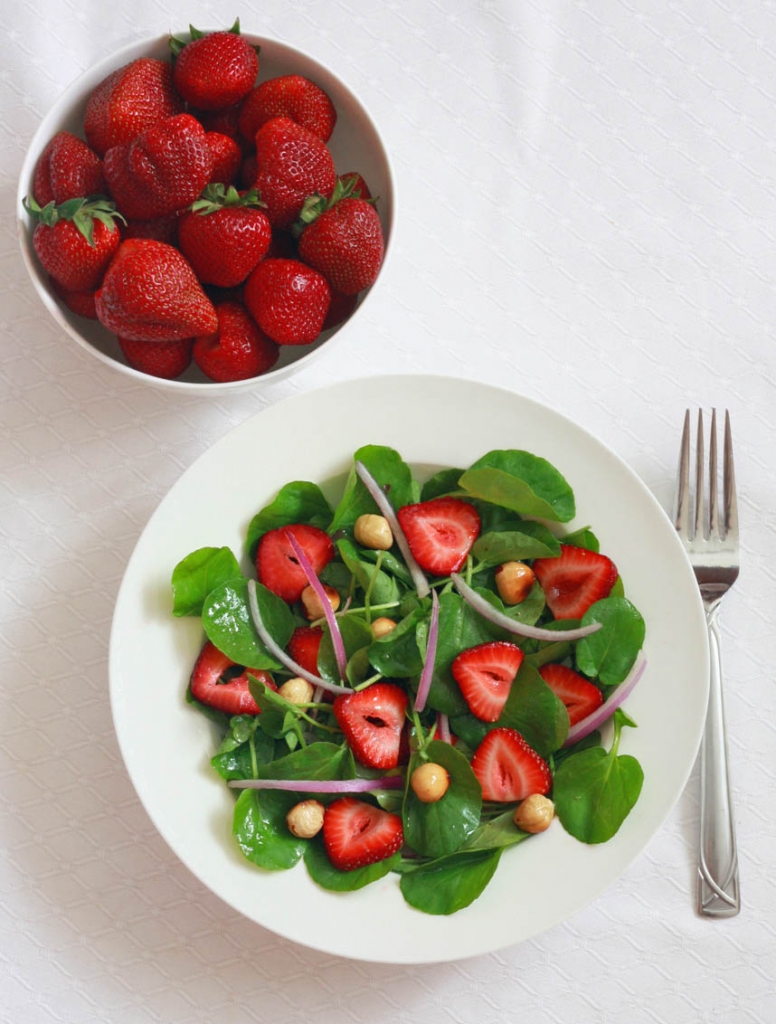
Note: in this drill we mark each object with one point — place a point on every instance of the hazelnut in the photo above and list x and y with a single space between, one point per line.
429 782
296 691
514 581
373 532
382 626
305 819
313 608
535 813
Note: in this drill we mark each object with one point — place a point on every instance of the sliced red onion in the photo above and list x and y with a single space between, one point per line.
381 499
487 611
320 785
277 651
606 710
328 611
431 645
443 728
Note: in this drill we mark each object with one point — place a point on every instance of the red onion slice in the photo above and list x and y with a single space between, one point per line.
277 651
443 728
328 611
431 645
320 785
382 502
606 710
487 611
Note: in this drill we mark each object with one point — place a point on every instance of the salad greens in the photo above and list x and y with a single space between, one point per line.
452 847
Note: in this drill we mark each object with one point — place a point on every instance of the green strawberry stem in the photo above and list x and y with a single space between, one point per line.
176 45
316 204
217 197
82 212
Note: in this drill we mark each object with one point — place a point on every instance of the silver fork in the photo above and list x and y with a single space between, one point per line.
711 541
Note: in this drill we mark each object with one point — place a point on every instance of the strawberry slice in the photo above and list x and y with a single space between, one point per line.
575 580
304 645
579 695
440 533
485 674
277 566
508 769
210 685
372 721
356 833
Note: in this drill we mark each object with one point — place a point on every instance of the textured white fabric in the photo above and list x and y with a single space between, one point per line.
586 215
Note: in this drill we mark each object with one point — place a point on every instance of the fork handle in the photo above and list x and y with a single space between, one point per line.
718 887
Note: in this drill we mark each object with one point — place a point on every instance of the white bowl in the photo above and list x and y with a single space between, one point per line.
355 145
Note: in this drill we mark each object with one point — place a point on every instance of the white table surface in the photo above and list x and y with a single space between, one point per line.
587 215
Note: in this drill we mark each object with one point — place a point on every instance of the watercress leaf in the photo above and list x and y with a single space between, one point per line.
324 761
497 832
397 655
323 872
220 718
260 829
523 482
534 710
358 669
437 829
527 611
195 576
389 470
611 652
582 538
469 728
296 502
382 588
526 540
356 633
336 574
227 622
241 760
273 720
449 884
390 563
547 653
443 482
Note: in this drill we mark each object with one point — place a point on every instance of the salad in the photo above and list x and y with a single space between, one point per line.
413 679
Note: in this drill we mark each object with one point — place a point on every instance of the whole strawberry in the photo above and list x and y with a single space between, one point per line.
292 164
288 300
150 293
288 96
224 235
238 350
227 158
129 101
76 240
162 170
214 70
67 169
344 242
166 359
81 303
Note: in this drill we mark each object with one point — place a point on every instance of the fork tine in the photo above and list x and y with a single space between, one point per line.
730 512
699 502
713 501
683 484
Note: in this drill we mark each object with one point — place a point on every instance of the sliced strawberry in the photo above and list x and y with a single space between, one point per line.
232 696
485 674
372 721
508 769
440 533
574 580
277 566
356 833
579 695
304 645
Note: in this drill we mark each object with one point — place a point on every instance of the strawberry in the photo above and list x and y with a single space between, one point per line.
227 158
67 169
372 721
276 564
81 303
150 293
291 96
304 645
167 359
485 674
341 308
508 769
355 185
238 349
288 300
440 533
292 163
575 580
76 240
162 170
344 242
161 229
224 235
130 100
579 695
209 685
224 121
214 70
356 833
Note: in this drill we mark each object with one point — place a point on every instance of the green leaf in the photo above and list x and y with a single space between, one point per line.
498 832
227 621
259 826
523 540
384 589
199 573
296 502
522 482
443 482
438 829
582 538
323 872
397 654
389 470
534 710
244 748
611 652
356 633
323 761
451 883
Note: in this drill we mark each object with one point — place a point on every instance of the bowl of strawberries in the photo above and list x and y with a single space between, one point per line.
206 211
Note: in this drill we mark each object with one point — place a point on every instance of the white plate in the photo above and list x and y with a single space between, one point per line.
432 422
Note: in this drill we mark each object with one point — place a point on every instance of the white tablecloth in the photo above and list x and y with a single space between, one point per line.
586 215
